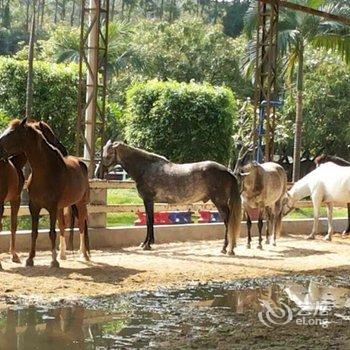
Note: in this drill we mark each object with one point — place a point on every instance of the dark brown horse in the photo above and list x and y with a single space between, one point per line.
324 158
56 182
159 180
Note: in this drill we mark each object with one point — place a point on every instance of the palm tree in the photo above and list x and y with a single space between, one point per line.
296 30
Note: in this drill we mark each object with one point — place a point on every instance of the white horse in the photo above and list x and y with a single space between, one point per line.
330 184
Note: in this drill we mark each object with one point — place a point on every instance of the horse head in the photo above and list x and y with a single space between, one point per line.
287 204
11 140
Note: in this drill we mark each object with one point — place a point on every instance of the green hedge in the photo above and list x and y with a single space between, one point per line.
55 95
184 122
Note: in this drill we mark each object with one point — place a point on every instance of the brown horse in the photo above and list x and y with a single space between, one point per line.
56 182
11 185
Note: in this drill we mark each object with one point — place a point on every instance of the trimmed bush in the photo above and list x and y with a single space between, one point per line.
55 95
184 122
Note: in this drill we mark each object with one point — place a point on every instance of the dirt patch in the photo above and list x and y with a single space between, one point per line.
167 265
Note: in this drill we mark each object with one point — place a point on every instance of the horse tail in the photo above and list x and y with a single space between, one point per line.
235 215
74 214
86 237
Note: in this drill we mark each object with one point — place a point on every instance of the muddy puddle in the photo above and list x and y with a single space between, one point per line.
288 313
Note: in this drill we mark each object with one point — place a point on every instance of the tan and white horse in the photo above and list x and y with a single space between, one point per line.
263 187
329 183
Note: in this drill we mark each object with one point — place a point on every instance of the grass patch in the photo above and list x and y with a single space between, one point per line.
120 219
307 213
123 196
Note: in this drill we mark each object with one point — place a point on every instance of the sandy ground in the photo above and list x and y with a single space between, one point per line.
167 265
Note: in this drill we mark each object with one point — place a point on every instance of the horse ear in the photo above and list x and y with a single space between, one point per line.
125 141
24 121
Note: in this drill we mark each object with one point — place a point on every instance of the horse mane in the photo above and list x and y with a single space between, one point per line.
44 130
324 158
142 153
40 134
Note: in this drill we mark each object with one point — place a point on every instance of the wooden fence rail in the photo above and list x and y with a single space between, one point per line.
99 206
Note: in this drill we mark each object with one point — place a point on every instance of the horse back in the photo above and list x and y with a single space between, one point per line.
75 183
184 183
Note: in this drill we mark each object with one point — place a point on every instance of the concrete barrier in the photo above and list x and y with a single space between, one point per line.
126 236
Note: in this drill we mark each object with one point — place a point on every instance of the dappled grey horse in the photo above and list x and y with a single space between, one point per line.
159 180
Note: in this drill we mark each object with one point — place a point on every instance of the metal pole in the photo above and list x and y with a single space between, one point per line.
91 84
30 89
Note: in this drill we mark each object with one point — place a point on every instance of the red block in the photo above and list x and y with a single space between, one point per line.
205 216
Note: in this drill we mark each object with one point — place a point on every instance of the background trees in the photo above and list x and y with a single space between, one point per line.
185 41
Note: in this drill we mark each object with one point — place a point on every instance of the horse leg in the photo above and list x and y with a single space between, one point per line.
14 211
278 221
316 204
82 224
328 237
62 227
272 220
34 212
149 206
268 225
2 208
249 230
347 231
52 234
224 211
1 215
260 228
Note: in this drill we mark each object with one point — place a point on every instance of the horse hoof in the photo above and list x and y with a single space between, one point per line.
328 238
29 263
54 264
267 242
223 250
1 267
274 244
248 246
230 252
147 247
63 257
142 244
259 246
310 237
16 259
345 233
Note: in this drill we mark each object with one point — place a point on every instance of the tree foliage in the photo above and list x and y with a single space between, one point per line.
184 122
55 95
326 105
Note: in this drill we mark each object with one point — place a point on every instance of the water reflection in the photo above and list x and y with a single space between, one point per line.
147 315
241 301
60 328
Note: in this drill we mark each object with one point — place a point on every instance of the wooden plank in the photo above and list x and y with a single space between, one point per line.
132 208
112 184
127 208
310 11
